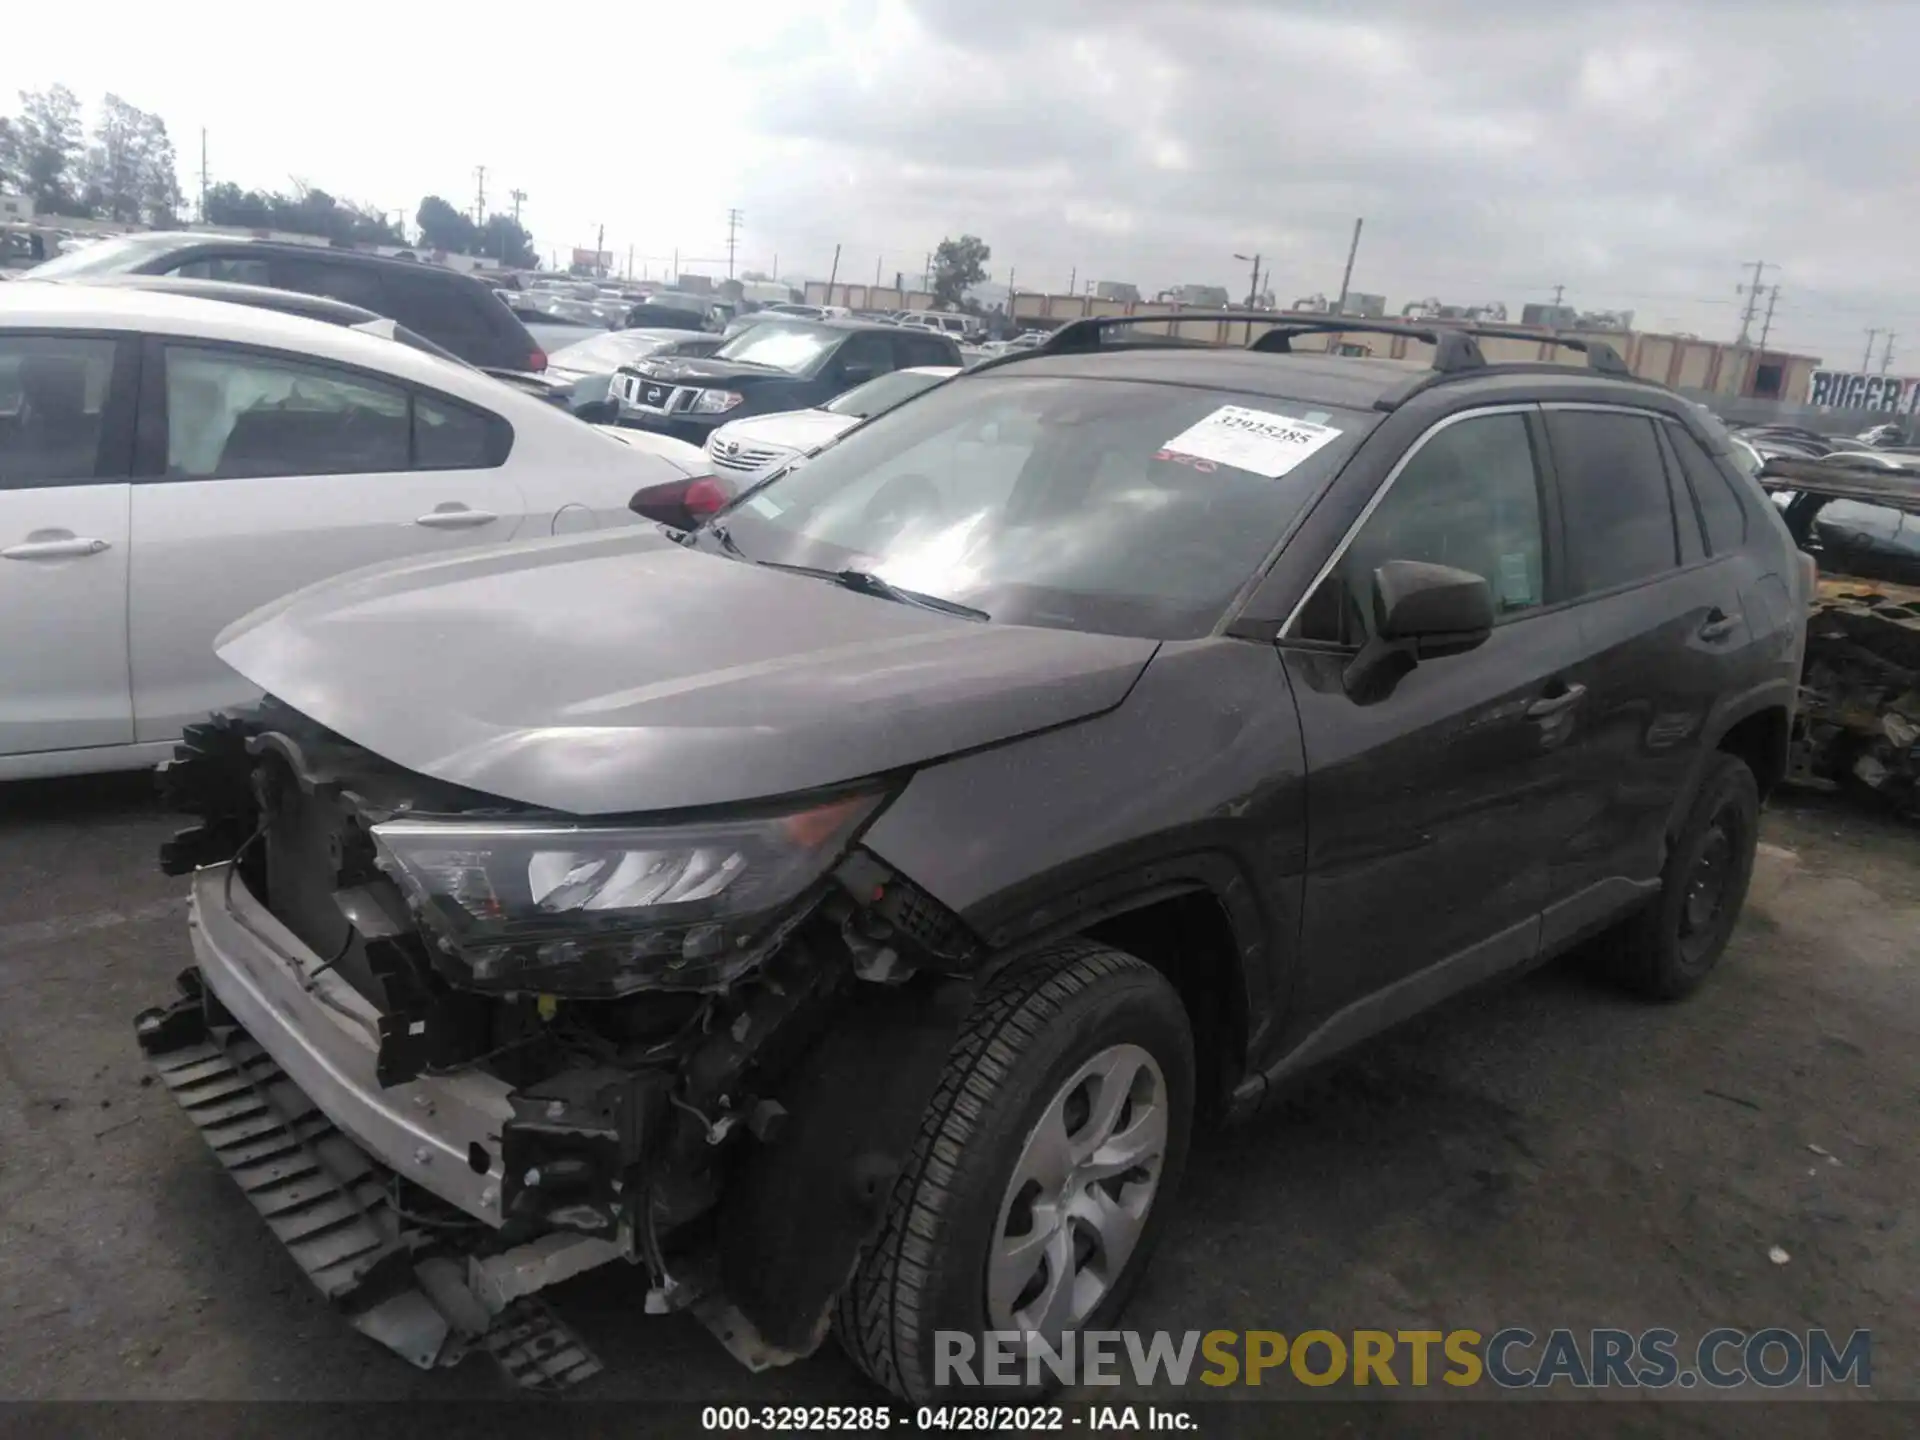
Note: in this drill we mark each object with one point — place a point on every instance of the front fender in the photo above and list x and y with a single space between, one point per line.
798 1210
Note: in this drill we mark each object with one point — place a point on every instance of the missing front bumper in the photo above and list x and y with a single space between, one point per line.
335 1210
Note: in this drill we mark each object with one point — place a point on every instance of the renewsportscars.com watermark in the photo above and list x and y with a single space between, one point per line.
1773 1358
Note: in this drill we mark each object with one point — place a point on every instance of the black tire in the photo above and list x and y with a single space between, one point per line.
1670 946
1030 1030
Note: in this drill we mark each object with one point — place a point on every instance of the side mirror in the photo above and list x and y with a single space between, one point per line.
1420 612
681 504
1437 608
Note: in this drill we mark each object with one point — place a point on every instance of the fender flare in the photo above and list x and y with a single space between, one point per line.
1770 695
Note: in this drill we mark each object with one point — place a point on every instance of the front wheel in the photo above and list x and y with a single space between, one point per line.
1041 1177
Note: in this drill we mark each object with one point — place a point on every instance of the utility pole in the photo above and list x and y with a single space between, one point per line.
517 196
674 278
876 270
1766 325
480 196
203 174
1011 292
1072 276
776 265
1867 359
1253 285
600 248
926 275
1340 306
1886 352
833 274
629 262
1752 292
1558 291
733 228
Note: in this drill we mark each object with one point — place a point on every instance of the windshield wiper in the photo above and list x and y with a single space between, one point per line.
865 582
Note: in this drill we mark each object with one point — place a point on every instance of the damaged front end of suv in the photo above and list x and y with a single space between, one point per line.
456 1048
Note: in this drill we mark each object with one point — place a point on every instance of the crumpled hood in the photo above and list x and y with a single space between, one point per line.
617 672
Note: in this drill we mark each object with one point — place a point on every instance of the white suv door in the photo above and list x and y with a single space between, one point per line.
65 446
278 471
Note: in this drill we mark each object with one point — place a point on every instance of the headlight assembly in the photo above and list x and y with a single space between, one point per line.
591 909
716 402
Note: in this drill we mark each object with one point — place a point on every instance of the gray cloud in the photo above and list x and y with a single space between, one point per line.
1637 153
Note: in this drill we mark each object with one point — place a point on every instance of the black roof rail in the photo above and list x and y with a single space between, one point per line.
1456 348
1600 355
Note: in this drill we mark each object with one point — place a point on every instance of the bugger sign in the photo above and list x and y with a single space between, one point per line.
1856 390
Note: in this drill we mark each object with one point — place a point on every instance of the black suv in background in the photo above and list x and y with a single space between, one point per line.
876 880
778 364
453 310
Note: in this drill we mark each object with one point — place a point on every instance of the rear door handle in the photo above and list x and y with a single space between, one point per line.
459 519
1548 706
1718 624
76 545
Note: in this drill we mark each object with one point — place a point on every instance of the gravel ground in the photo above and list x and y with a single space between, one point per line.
1544 1153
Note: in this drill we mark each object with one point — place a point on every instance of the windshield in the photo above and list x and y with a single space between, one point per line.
1070 504
882 393
104 257
782 344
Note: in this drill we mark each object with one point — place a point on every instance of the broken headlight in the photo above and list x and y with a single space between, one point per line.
588 909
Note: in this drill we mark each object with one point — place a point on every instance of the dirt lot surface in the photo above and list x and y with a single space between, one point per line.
1546 1153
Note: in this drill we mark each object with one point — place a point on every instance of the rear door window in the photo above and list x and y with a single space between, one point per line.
452 437
235 414
1614 498
1720 508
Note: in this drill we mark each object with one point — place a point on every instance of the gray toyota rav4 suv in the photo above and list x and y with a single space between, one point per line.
841 910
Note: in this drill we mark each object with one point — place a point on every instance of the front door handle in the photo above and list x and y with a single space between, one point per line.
1718 624
1548 706
457 518
66 549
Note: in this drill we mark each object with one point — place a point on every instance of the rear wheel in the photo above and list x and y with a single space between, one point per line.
1040 1179
1671 945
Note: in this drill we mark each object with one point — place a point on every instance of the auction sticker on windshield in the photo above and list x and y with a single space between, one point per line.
1256 440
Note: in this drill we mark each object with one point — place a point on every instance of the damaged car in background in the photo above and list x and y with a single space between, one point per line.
1119 731
1858 517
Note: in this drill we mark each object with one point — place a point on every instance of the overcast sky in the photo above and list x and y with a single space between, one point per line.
1635 154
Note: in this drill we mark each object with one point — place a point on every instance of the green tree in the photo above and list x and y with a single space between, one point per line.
10 176
228 204
307 210
506 240
129 173
958 265
50 146
444 228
